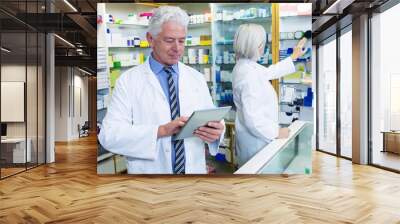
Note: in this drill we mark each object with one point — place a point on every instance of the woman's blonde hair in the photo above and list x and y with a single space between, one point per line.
248 40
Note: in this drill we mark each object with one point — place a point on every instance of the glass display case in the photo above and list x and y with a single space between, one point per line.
284 156
295 157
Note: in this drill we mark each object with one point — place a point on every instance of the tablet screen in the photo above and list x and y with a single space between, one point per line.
200 118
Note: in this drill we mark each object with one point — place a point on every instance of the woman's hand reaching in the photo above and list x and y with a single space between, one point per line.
298 50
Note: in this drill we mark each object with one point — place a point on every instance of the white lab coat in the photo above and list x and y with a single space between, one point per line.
256 102
139 106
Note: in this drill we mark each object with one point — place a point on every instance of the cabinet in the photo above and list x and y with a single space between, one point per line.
295 90
227 17
14 152
391 141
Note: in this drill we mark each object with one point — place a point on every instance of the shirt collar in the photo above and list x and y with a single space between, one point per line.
157 67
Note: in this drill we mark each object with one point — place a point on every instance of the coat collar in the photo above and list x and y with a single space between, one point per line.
152 79
157 67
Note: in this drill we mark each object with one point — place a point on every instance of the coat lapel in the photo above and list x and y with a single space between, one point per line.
182 90
151 78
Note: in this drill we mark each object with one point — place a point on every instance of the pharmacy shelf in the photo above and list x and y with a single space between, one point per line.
138 48
135 48
127 25
290 39
123 66
100 115
199 25
198 64
100 89
286 103
232 65
225 64
193 25
254 20
230 42
301 60
207 46
295 83
294 16
226 42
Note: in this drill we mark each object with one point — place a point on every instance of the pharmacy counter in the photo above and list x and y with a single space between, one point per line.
284 156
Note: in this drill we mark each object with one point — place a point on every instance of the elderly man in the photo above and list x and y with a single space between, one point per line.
152 101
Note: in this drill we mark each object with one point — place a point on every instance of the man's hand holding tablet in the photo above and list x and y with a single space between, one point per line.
205 124
210 132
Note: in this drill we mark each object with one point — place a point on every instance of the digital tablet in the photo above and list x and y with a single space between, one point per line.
201 118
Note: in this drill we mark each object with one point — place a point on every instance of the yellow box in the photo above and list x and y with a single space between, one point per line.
205 42
141 58
205 59
113 77
144 43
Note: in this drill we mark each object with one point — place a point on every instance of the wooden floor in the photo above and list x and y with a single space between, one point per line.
10 171
387 159
70 191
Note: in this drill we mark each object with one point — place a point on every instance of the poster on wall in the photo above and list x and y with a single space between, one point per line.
12 101
189 88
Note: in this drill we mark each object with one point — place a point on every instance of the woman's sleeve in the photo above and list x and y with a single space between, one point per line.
280 69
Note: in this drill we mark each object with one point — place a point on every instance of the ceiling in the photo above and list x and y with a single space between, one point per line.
79 27
330 15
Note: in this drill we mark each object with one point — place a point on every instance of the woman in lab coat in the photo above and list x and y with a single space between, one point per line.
255 99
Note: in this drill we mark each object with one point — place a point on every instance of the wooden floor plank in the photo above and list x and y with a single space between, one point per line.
70 191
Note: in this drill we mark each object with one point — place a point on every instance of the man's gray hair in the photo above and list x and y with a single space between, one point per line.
164 14
248 40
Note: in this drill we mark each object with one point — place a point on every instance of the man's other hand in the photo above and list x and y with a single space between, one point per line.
211 132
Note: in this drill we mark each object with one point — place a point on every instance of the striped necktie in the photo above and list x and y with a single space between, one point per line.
179 166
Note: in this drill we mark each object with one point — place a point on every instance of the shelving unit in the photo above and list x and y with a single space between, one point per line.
295 90
208 47
227 17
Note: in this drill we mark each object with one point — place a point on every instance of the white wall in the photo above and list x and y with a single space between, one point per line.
12 73
33 126
61 103
390 63
71 96
81 104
